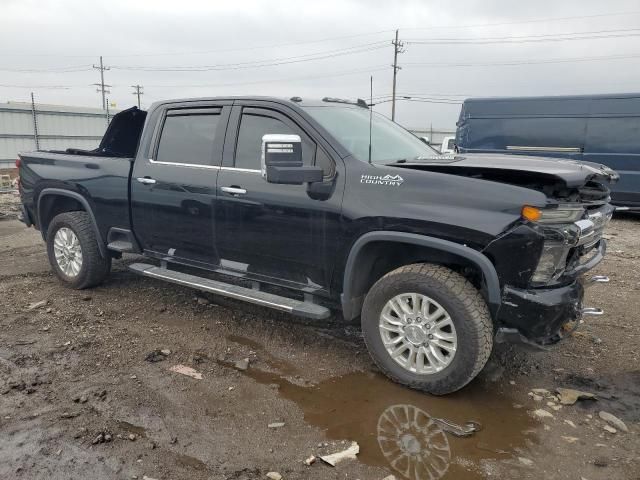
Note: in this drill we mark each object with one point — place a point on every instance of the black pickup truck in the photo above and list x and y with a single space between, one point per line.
312 206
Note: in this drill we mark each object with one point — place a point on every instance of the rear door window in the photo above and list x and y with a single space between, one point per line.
188 137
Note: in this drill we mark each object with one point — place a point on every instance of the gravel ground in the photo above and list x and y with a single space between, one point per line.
80 399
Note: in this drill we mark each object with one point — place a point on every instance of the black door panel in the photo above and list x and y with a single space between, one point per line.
175 215
284 232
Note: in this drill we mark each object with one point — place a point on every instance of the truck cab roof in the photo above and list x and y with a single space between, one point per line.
294 100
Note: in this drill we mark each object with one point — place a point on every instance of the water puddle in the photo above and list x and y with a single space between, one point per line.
398 428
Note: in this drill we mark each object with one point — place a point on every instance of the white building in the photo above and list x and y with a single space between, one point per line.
49 127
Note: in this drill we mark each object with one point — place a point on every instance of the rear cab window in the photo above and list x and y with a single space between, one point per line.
188 136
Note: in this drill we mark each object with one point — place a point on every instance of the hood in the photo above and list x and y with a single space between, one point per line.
517 169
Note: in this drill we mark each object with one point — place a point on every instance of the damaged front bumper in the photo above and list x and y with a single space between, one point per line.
540 317
537 316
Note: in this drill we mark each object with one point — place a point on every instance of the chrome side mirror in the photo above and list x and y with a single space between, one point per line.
281 161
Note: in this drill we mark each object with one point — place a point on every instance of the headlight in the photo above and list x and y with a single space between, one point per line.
552 262
562 230
552 215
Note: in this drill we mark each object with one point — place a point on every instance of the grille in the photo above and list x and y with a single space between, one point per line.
600 216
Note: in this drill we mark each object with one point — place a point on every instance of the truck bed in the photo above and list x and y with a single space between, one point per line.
102 181
99 177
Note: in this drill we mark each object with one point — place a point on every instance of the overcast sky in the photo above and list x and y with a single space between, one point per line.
317 49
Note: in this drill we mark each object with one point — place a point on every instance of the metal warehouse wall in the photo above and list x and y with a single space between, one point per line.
58 128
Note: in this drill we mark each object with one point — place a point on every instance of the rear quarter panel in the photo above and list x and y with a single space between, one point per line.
102 181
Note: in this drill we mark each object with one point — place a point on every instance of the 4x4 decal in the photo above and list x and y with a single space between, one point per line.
392 180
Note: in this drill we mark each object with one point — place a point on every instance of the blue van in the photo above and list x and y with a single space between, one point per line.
596 128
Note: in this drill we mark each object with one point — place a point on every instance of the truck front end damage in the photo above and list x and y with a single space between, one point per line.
542 259
543 303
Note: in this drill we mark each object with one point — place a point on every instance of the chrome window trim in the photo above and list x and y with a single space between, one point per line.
190 165
246 170
195 165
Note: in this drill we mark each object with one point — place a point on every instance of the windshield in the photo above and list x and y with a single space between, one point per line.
350 126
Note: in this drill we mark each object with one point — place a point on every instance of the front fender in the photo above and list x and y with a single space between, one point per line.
351 304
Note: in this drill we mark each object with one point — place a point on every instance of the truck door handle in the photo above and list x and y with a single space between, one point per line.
146 180
234 190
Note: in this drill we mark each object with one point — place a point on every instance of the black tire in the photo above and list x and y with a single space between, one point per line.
95 268
466 307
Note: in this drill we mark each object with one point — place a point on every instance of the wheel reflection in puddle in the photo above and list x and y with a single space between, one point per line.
413 444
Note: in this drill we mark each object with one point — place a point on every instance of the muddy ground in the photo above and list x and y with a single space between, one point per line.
78 399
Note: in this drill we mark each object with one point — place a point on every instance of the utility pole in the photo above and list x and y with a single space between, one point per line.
138 92
102 87
398 47
35 122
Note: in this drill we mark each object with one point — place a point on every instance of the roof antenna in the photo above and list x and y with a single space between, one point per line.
370 116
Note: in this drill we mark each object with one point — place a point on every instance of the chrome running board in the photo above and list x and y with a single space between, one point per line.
295 307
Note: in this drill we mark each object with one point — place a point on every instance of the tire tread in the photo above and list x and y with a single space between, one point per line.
97 267
447 282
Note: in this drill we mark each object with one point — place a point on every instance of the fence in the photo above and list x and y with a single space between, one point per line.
26 126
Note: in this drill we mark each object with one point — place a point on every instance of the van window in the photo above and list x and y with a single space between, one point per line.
188 139
500 133
613 135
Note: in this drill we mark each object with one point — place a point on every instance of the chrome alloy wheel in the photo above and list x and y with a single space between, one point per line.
68 252
413 443
418 333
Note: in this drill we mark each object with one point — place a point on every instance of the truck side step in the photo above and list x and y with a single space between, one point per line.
284 304
121 246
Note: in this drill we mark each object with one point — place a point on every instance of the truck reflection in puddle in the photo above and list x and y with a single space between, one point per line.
413 443
411 434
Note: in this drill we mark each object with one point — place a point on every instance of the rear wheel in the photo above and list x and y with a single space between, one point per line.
72 247
427 327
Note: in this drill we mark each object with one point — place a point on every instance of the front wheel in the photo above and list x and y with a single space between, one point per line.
427 327
72 247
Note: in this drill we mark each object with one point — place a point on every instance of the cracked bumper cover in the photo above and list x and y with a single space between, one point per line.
537 315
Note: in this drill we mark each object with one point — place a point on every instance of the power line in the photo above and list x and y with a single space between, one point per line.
375 68
327 39
523 62
560 37
521 22
254 47
370 69
206 52
68 69
257 63
330 39
224 66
